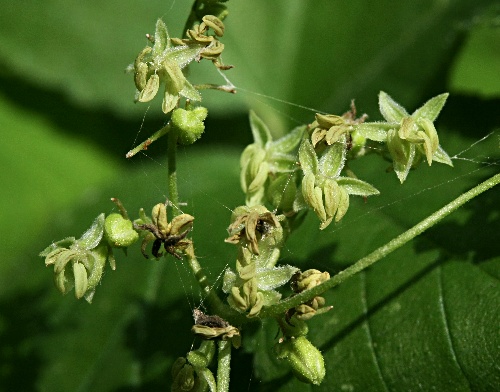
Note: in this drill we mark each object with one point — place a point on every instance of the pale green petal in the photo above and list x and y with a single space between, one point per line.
390 109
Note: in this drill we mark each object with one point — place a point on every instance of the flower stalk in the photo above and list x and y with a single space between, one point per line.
223 365
378 254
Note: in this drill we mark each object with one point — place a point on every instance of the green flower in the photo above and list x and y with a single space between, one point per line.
270 165
259 236
79 264
323 189
409 138
329 128
163 63
306 280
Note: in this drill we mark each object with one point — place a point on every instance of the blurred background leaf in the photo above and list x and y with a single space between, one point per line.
425 318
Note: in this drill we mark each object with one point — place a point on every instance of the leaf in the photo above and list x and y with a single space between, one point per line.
474 72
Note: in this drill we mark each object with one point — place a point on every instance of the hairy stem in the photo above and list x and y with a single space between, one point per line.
145 144
216 305
281 307
173 191
223 365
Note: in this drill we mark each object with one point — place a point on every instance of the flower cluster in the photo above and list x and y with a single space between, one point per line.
268 167
79 263
191 373
409 138
170 235
306 280
163 63
259 236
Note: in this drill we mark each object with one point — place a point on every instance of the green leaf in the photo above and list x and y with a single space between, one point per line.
475 69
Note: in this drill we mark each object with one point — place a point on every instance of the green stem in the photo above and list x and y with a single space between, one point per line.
281 307
223 365
145 144
216 305
209 86
173 191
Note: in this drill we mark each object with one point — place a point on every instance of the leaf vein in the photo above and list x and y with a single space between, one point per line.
447 325
368 330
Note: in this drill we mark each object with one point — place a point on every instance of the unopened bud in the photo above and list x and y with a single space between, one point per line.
189 124
306 361
119 231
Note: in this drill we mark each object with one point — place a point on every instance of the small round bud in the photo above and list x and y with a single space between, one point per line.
119 231
306 360
189 124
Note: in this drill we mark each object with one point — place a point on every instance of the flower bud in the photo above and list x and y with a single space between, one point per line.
159 218
308 279
215 23
119 231
306 361
181 223
150 88
189 124
184 378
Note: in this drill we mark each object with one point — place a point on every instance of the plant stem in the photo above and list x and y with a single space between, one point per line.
281 307
208 86
173 191
145 144
216 304
223 365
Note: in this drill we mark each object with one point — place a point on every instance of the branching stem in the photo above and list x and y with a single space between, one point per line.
281 307
145 144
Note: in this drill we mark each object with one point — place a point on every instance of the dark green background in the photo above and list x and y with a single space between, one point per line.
426 318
